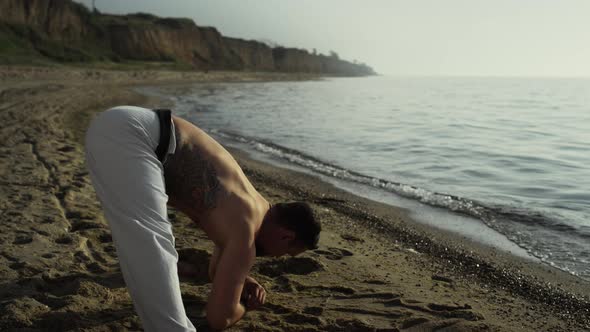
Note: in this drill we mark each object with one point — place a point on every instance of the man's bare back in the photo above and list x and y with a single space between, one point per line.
206 183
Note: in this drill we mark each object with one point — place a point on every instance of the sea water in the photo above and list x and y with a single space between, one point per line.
508 158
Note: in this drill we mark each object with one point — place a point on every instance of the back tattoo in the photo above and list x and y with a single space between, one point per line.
191 180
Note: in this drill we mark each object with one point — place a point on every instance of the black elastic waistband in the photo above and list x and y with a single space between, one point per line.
165 117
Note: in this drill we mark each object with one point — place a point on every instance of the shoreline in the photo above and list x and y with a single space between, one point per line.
398 274
418 236
482 246
470 260
525 222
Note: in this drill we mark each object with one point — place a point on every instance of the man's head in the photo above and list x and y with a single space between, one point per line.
288 228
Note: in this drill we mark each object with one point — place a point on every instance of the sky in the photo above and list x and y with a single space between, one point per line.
549 38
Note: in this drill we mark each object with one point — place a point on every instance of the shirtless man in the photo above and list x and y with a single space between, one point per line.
201 179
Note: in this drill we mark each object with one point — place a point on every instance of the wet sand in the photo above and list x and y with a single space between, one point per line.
375 270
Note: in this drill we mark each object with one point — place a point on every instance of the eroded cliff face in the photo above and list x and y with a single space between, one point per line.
296 60
61 20
252 54
150 38
158 43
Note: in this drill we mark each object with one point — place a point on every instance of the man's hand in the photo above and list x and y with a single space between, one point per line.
253 294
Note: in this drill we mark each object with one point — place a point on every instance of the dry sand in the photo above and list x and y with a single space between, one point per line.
375 270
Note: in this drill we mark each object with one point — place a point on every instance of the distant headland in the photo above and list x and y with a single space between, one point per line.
41 31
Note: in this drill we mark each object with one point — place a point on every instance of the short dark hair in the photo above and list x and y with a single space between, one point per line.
299 218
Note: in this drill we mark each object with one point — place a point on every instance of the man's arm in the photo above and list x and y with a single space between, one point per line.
224 307
213 265
213 262
253 294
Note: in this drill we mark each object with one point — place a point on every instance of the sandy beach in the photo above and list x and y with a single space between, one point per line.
375 270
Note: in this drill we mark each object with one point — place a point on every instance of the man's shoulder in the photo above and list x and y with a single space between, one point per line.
241 205
241 211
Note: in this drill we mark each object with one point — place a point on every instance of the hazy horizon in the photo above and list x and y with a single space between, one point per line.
528 38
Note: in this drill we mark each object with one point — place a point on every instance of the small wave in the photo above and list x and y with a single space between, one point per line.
489 214
539 234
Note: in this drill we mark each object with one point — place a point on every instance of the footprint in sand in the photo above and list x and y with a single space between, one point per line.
73 294
434 316
291 265
24 269
315 311
314 319
80 215
352 238
290 316
23 239
78 183
48 220
390 309
345 324
326 290
79 225
193 265
298 319
20 313
334 253
64 239
66 148
283 284
17 265
105 237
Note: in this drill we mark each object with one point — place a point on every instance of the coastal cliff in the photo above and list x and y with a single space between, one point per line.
65 31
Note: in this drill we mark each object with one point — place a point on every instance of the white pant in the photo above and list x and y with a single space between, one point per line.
129 182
